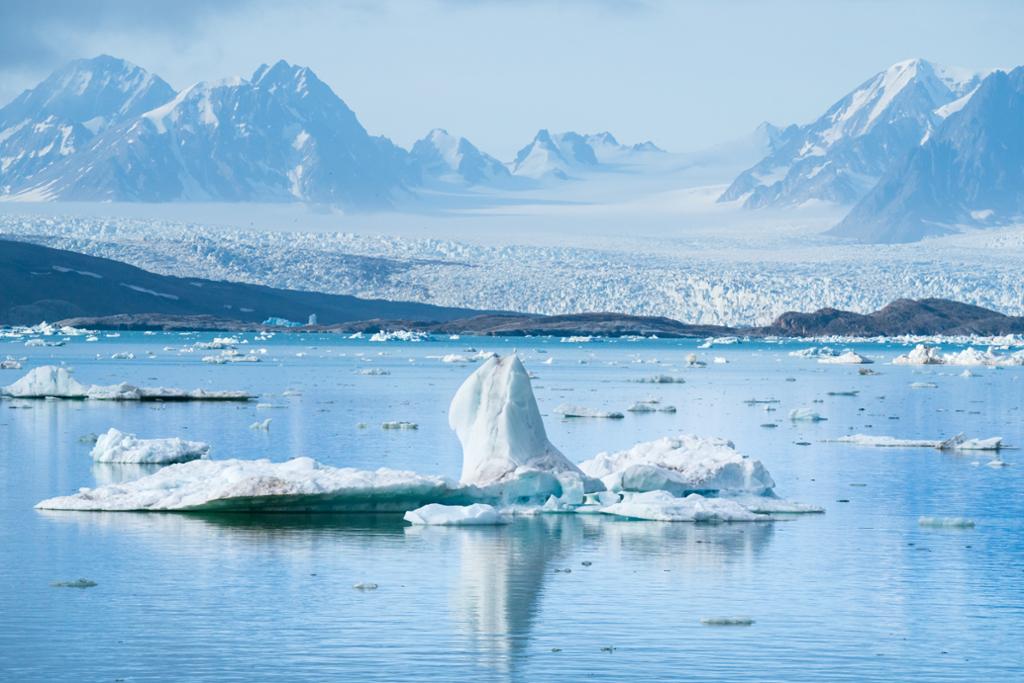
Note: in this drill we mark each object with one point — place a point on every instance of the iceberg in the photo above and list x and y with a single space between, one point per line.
51 381
681 465
805 415
435 514
117 446
921 355
495 415
661 506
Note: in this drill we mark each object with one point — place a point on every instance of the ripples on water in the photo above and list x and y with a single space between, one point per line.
861 593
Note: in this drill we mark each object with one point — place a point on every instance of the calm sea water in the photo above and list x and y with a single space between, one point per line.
861 593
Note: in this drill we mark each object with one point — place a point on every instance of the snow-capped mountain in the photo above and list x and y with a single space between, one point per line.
840 156
281 135
444 157
565 155
59 117
969 172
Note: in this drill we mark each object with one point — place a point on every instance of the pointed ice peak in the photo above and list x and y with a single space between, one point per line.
495 415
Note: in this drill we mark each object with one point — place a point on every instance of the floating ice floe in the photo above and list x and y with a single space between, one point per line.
946 522
681 465
261 425
568 410
232 356
846 358
662 506
435 514
576 339
805 415
122 355
373 372
10 363
661 379
650 407
954 443
970 357
399 335
51 381
508 464
117 446
814 352
399 424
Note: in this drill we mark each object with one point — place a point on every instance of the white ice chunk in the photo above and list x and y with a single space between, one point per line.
46 381
50 381
845 358
681 465
662 506
436 514
954 443
921 355
567 410
805 415
946 522
117 446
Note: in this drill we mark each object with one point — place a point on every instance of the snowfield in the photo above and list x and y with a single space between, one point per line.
699 277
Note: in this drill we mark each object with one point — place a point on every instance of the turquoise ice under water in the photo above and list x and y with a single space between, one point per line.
861 593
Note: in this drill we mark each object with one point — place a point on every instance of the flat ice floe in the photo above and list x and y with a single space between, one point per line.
568 410
435 514
662 506
117 446
954 443
845 358
51 381
509 466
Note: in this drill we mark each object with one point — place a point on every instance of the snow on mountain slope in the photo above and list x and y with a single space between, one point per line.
280 136
968 173
445 157
568 155
51 122
840 156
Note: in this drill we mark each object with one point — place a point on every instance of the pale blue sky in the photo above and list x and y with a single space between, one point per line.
684 74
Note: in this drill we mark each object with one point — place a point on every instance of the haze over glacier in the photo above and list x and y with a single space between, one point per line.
736 232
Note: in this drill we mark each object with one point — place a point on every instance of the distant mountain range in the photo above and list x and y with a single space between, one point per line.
916 150
103 129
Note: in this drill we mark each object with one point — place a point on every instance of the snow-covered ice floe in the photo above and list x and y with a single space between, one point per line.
954 443
51 381
509 466
681 465
117 446
923 354
435 514
568 410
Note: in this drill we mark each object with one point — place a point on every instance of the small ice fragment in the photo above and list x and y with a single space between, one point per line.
117 446
727 621
365 586
805 415
78 583
397 424
567 410
261 426
946 522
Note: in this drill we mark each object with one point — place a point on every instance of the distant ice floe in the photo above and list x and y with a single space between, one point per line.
805 415
117 446
399 335
661 379
845 358
51 381
10 363
569 410
946 522
954 443
923 354
509 467
232 356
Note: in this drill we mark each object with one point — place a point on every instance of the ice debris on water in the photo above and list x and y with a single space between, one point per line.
77 583
569 410
117 446
946 522
435 514
845 358
509 466
955 443
727 621
365 586
261 425
399 424
51 381
805 415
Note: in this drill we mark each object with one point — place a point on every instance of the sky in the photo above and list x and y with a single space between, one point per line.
683 74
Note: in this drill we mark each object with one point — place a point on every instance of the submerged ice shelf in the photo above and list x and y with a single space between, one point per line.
509 466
